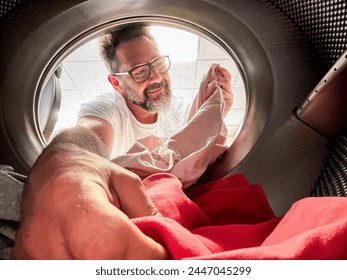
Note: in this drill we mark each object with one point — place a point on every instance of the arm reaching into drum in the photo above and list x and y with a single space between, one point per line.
78 205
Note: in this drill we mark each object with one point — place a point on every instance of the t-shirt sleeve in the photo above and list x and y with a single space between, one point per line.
101 106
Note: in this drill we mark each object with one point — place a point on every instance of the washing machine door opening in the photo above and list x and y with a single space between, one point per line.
82 76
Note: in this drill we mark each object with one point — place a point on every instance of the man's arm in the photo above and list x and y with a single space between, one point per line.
101 128
77 206
83 138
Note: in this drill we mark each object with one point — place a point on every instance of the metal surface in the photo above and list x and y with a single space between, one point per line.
49 104
325 109
324 24
333 178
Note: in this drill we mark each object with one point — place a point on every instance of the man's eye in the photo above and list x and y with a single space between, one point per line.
140 72
160 66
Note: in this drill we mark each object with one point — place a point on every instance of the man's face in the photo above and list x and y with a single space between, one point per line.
154 94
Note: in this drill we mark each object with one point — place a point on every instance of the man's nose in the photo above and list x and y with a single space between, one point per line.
154 76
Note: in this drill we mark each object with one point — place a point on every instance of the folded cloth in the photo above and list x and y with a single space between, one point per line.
11 187
231 219
189 152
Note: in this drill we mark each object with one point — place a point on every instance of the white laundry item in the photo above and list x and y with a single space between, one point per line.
189 152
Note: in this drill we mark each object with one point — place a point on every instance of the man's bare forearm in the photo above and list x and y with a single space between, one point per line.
83 138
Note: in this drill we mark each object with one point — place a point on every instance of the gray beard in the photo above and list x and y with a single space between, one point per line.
162 104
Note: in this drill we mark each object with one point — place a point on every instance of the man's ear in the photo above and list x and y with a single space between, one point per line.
115 83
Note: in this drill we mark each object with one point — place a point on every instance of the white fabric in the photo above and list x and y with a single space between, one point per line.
111 107
187 153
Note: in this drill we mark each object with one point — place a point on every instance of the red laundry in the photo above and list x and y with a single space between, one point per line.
231 219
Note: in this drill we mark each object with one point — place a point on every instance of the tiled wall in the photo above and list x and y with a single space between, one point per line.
84 77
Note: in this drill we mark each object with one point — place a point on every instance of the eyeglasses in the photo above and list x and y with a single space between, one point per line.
142 72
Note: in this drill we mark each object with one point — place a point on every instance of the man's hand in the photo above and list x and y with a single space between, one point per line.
216 77
77 205
224 81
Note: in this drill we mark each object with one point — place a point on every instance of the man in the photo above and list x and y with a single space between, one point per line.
76 203
139 75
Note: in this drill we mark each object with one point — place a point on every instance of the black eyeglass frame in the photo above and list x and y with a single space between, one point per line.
149 65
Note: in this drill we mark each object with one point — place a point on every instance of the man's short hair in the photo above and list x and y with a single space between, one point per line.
109 42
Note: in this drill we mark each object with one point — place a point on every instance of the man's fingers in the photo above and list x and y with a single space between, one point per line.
224 83
223 72
223 78
133 200
99 230
211 89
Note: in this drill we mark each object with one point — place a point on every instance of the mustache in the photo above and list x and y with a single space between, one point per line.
163 83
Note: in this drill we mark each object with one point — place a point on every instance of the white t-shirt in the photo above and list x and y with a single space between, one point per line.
111 107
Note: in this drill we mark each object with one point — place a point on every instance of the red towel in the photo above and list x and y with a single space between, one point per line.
231 219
